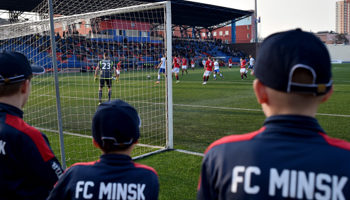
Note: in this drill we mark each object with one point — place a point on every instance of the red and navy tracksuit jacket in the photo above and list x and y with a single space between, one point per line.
28 167
290 157
113 177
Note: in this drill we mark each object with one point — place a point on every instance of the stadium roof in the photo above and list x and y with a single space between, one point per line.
183 12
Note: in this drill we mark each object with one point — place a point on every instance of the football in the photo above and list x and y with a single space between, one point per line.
148 76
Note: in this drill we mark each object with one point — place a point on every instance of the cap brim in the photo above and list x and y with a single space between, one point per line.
37 69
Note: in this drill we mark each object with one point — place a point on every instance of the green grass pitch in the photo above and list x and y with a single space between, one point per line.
202 114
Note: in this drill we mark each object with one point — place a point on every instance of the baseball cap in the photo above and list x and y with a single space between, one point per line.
15 67
282 54
117 121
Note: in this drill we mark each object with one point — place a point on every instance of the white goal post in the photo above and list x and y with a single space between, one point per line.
69 43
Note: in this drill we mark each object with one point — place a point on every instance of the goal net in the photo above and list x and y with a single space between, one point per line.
131 34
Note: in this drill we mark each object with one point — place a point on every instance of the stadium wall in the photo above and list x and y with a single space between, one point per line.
339 53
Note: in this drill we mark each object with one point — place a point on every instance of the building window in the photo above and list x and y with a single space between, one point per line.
226 33
248 35
247 27
203 34
144 34
220 33
214 34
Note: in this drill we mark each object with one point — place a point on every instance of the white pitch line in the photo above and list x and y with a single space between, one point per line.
248 109
189 152
201 106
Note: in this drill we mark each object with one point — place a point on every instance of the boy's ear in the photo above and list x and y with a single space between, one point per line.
260 92
328 95
25 86
96 144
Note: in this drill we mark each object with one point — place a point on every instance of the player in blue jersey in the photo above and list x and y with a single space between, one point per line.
115 130
161 67
106 69
291 156
28 167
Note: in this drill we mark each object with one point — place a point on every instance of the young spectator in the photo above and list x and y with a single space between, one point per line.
291 156
115 130
28 167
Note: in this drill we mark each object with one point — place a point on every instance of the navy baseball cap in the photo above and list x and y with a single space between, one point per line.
15 67
282 54
117 121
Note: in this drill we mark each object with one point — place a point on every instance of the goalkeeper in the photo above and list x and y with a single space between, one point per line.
105 68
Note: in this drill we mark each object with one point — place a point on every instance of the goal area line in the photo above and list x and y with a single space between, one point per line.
90 137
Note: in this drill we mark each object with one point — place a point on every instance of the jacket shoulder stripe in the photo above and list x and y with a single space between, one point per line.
336 142
33 133
137 165
235 138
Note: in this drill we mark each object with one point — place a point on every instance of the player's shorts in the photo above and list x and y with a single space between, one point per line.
217 70
229 65
161 71
107 80
207 73
243 70
184 67
251 67
176 70
118 72
192 65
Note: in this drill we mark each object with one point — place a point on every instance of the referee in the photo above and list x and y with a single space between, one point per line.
291 156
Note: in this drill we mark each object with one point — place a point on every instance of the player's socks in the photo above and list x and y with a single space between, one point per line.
215 76
204 78
242 76
109 95
99 95
177 77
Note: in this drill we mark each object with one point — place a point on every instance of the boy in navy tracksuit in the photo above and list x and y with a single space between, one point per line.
115 129
28 167
291 156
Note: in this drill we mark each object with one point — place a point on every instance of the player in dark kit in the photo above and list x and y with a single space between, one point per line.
28 167
291 156
106 69
115 130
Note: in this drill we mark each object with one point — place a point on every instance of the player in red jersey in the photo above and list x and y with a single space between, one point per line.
230 63
243 69
176 68
208 69
192 63
184 65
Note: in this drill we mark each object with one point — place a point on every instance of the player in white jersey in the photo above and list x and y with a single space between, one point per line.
217 69
203 62
161 67
251 64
